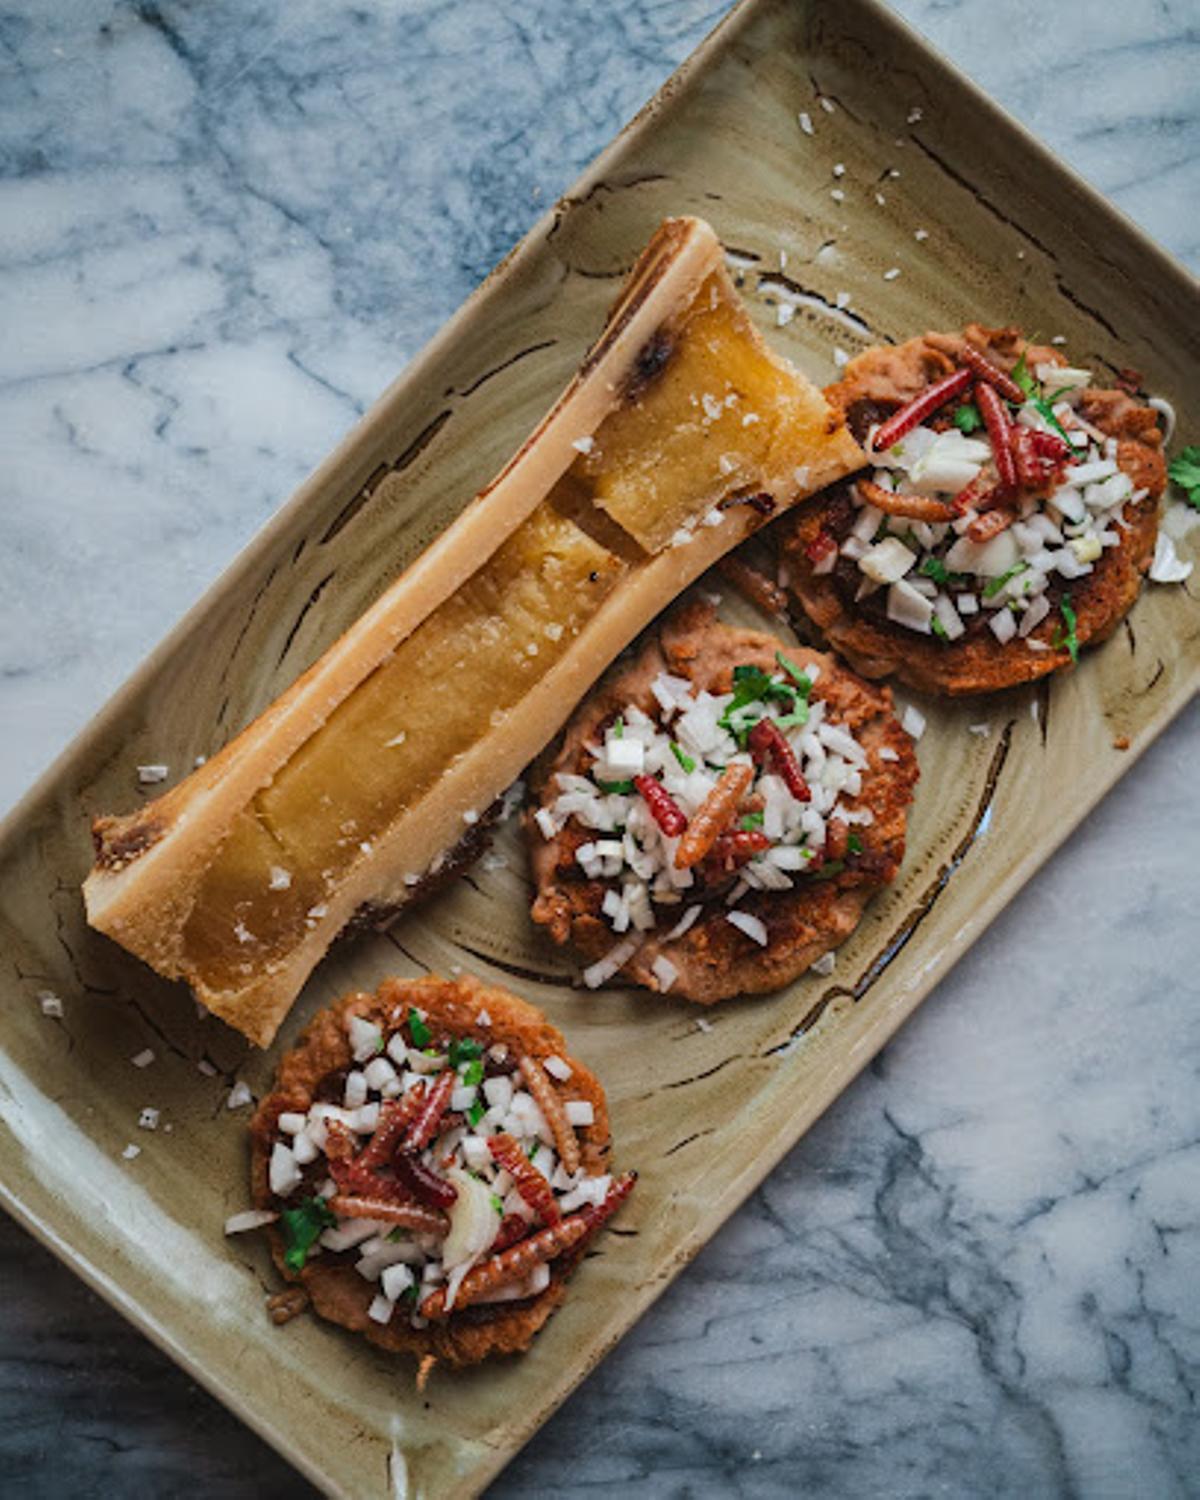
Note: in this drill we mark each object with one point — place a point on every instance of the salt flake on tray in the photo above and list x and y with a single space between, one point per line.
913 722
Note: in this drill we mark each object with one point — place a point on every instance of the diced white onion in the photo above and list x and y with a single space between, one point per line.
665 972
397 1279
284 1171
498 1091
379 1073
381 1310
751 926
907 607
888 561
1167 566
913 722
1004 627
366 1038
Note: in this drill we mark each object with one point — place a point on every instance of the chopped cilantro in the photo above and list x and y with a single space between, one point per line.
854 844
684 759
800 678
497 1204
464 1049
997 584
301 1228
533 1150
749 683
619 727
1033 394
795 719
397 1235
753 685
417 1029
935 568
1047 412
1067 636
476 1113
967 418
473 1073
1022 377
615 788
1184 470
827 872
938 628
751 821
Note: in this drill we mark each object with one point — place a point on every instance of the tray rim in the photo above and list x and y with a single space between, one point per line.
886 1022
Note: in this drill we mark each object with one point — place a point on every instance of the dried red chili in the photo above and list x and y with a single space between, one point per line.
995 419
734 849
665 811
921 407
768 744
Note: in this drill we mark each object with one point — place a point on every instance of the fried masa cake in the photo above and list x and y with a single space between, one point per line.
1009 519
719 812
439 1164
681 434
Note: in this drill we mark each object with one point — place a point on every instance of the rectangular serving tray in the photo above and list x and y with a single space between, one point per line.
704 1115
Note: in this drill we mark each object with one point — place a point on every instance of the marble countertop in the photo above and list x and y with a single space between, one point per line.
980 1272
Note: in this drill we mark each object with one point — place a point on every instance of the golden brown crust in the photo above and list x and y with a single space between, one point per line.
882 380
714 959
337 1291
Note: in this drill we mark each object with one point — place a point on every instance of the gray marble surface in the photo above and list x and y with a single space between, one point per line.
223 228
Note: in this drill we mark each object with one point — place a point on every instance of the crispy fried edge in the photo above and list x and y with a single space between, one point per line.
452 1004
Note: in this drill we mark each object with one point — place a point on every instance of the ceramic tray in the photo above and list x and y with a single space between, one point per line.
746 134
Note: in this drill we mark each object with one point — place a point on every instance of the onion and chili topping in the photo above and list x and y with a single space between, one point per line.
442 1172
751 779
979 518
